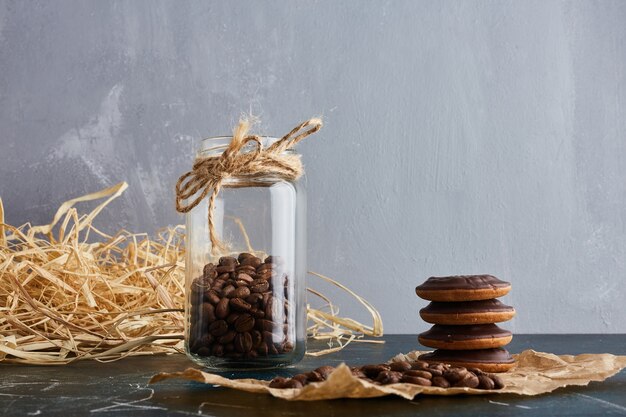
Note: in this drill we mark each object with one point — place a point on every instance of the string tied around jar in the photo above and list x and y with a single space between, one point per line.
208 173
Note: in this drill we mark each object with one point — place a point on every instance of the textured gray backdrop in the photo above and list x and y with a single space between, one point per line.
460 137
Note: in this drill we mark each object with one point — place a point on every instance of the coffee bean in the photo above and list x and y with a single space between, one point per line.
246 269
273 350
264 325
209 272
244 323
256 338
259 285
484 382
225 268
278 382
232 318
497 381
439 381
372 371
477 371
239 305
264 274
204 351
251 260
227 260
218 328
244 255
419 365
208 312
242 276
227 338
211 296
302 378
276 260
258 314
400 366
217 350
270 309
218 284
241 292
418 373
264 267
293 383
314 376
223 276
416 380
455 375
325 371
252 354
288 347
389 377
227 290
469 380
222 309
254 298
262 349
243 342
357 372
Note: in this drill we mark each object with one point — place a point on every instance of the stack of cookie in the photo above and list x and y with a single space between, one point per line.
463 310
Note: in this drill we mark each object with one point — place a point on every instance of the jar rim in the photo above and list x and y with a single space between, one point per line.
217 144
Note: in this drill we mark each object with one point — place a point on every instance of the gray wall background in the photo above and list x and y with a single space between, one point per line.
460 137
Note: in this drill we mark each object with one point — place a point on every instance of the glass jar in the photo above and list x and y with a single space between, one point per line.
246 306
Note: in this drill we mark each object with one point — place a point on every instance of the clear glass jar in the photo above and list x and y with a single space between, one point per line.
247 308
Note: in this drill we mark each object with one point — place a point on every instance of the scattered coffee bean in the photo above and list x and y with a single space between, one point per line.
400 366
416 380
324 371
441 382
389 377
372 371
484 382
416 373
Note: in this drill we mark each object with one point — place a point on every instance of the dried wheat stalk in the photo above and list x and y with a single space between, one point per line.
69 291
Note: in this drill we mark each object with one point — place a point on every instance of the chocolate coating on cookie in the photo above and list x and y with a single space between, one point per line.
478 306
467 312
459 333
462 288
480 336
489 360
497 355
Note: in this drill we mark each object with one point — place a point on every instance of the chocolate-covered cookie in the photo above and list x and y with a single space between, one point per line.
488 360
479 336
462 288
467 312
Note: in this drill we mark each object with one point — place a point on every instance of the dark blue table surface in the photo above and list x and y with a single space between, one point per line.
120 388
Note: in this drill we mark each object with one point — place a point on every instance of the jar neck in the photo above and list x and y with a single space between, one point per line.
215 146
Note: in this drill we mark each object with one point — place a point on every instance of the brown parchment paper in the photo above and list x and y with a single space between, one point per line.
535 373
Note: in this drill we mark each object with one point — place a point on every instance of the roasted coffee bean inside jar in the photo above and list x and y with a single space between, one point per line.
417 373
240 309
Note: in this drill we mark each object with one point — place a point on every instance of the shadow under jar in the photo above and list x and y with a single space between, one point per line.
247 308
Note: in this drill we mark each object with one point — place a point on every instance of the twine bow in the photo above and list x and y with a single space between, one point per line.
208 173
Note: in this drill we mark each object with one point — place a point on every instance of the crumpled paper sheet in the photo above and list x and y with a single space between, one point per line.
535 373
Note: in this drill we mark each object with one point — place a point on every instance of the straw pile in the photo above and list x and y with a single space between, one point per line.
69 291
